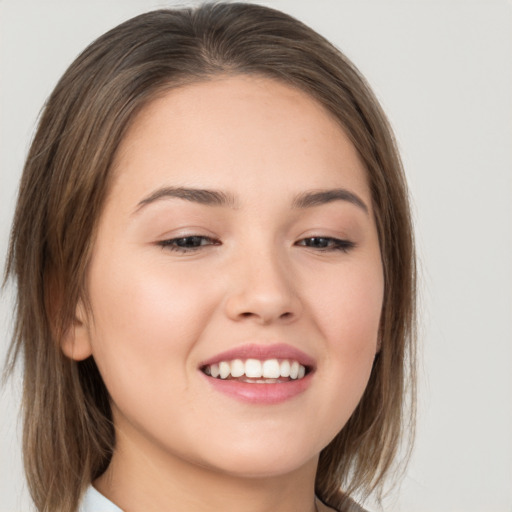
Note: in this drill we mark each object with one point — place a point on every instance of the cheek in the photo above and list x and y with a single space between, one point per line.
349 308
348 316
146 320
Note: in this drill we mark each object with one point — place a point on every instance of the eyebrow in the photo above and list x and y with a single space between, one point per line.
319 197
219 198
195 195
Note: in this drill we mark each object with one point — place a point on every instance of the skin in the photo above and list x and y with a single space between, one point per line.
157 313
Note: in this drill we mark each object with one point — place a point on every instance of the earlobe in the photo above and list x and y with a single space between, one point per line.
76 342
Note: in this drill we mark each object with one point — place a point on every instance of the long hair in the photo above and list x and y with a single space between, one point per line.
68 436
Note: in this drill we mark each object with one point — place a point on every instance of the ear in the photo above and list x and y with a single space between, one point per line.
76 341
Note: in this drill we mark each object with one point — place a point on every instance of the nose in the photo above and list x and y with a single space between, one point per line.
263 291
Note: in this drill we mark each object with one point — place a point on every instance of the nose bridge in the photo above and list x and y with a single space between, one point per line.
263 287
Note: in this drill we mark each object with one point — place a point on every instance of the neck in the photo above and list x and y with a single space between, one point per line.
142 478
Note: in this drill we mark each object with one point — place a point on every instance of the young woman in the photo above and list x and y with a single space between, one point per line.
215 272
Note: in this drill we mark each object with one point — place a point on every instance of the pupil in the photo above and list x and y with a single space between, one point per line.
190 241
318 242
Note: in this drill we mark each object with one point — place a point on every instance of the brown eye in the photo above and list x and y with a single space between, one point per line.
188 243
323 243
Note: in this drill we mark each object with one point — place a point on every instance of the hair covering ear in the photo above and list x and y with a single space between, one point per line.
76 342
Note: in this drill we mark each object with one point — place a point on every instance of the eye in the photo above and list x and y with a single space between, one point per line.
323 243
190 243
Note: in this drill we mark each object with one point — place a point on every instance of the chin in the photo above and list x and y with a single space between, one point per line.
263 463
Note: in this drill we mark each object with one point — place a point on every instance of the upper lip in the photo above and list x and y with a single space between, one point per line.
262 352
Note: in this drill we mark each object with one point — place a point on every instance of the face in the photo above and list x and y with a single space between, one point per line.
236 281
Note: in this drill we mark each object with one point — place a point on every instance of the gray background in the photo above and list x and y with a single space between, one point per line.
443 72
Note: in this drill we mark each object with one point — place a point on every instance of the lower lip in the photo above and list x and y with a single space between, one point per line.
260 393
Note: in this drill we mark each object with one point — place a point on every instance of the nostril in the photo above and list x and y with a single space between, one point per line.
284 316
263 306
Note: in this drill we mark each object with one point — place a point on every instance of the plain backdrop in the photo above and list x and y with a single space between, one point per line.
443 72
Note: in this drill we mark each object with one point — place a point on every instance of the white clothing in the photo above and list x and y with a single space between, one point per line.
93 501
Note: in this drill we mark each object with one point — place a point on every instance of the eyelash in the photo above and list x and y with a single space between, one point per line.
332 244
172 244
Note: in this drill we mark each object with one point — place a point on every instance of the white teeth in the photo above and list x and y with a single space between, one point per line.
294 370
214 370
253 368
285 368
271 369
224 369
256 371
237 368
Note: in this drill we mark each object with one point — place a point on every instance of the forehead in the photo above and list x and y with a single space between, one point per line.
237 131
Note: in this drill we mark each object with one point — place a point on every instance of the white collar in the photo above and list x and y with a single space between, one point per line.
93 501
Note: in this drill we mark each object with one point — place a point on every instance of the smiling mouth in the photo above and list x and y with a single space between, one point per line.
254 371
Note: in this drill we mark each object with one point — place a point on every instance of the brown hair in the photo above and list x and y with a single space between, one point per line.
68 432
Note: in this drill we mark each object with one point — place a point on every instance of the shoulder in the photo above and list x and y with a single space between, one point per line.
93 501
352 506
345 505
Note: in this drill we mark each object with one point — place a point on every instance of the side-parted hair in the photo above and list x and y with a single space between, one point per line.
68 436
